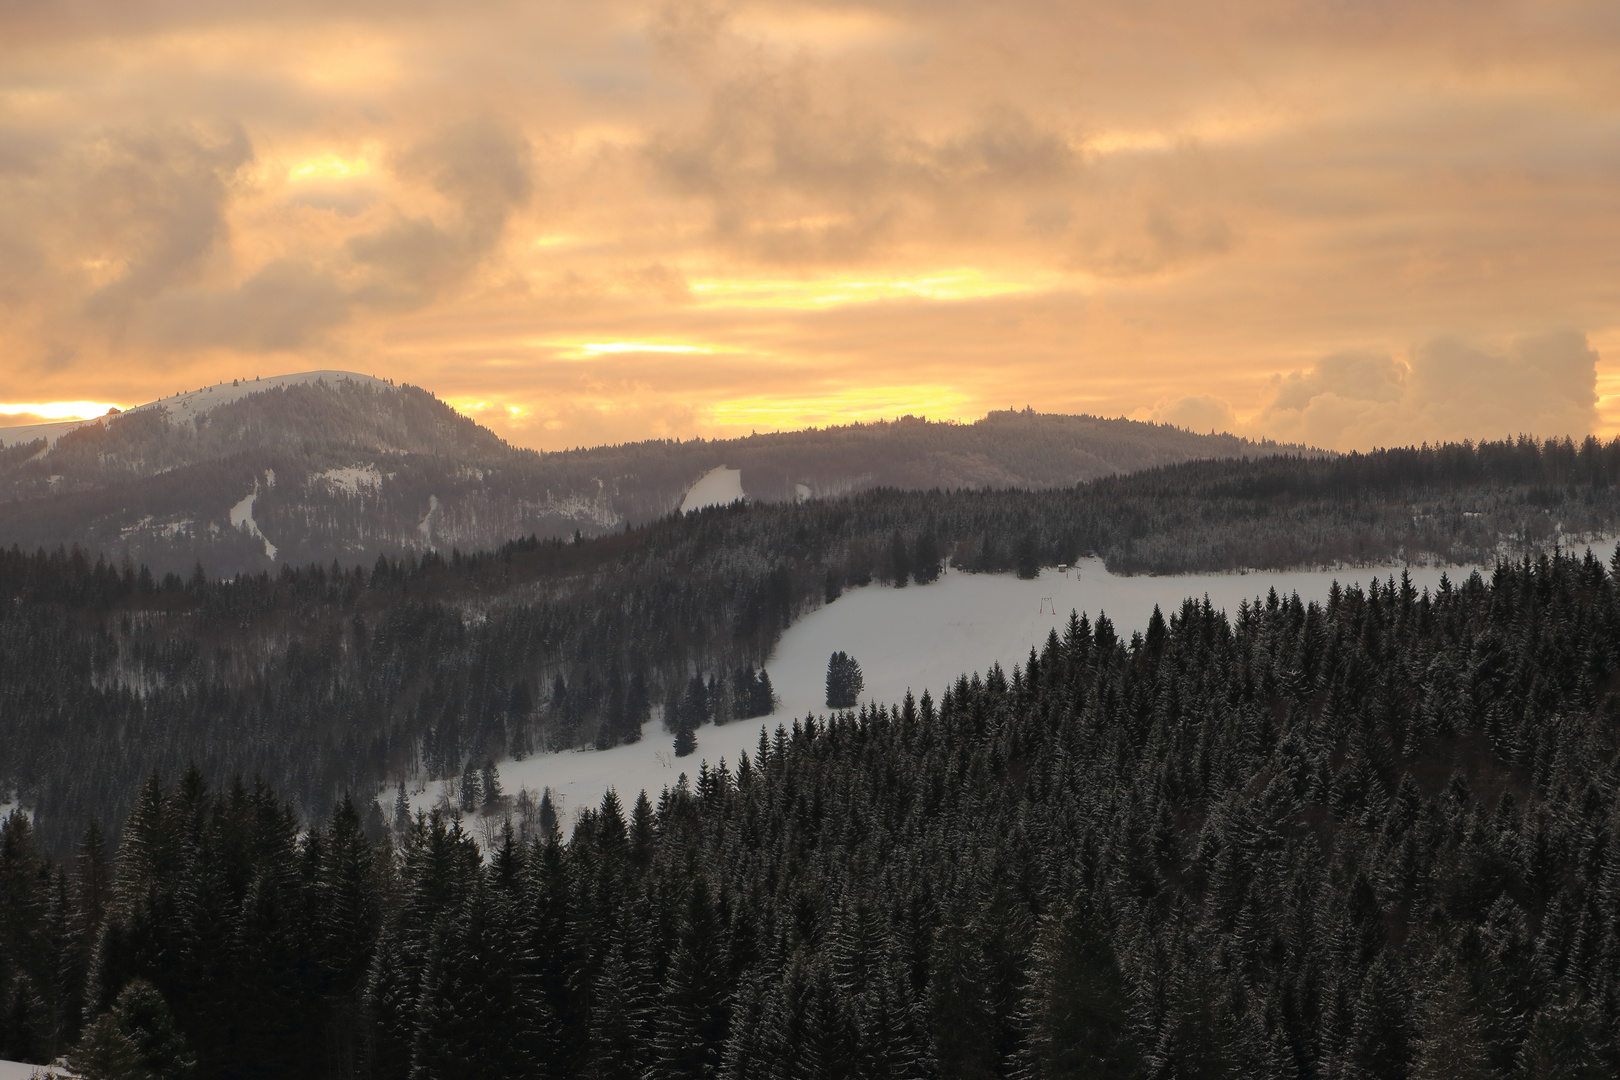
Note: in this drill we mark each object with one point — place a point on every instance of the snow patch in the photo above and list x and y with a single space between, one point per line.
802 492
168 530
21 1070
720 486
242 514
425 526
352 478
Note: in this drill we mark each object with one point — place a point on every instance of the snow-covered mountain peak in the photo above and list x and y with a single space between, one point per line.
189 404
192 403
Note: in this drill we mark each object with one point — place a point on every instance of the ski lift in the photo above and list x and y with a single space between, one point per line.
1046 602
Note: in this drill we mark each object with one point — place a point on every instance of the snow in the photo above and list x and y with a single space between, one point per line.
19 1070
802 492
425 526
27 433
352 478
916 638
925 636
183 407
242 514
187 406
720 486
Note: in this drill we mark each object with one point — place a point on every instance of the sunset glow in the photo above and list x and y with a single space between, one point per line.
950 285
638 217
329 168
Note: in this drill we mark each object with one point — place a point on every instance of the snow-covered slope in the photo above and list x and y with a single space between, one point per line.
27 433
720 486
918 638
19 1070
192 403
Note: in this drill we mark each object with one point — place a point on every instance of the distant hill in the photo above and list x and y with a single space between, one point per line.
332 465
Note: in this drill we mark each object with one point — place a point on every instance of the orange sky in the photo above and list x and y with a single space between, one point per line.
1348 224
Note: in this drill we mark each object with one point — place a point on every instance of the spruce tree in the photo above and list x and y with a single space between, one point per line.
844 681
694 1007
1077 1016
471 789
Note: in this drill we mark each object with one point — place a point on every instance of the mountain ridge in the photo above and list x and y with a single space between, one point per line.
332 465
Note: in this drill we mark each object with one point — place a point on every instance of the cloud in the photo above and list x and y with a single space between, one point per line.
1082 206
154 203
1198 412
283 306
1543 385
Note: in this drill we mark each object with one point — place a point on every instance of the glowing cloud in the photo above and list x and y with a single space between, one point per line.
329 167
946 285
480 406
588 349
59 410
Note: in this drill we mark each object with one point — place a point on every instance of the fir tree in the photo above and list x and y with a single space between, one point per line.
844 681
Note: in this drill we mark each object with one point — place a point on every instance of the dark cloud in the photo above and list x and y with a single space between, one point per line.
283 306
155 202
484 170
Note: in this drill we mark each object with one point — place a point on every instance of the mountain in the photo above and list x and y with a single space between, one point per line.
331 465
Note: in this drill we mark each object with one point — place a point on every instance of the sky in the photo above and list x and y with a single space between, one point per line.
1346 224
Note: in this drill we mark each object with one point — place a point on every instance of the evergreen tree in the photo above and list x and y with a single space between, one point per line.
489 780
471 790
482 1011
694 1007
1077 1017
136 1038
762 695
898 569
844 681
926 559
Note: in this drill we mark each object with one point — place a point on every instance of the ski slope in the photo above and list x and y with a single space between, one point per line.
720 486
917 638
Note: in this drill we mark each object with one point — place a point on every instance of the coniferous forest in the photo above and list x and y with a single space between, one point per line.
331 679
1377 837
1373 838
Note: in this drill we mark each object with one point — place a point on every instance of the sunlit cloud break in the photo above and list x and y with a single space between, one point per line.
588 349
477 406
329 167
947 285
861 405
58 410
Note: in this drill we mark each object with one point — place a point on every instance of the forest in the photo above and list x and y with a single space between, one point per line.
331 679
1377 837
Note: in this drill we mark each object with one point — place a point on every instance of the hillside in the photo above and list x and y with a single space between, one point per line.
328 465
1373 837
327 679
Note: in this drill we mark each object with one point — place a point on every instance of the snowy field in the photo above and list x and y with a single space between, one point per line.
916 638
720 486
17 1070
